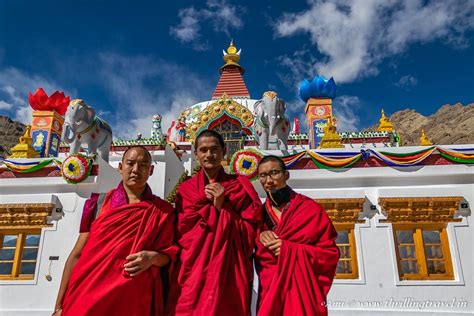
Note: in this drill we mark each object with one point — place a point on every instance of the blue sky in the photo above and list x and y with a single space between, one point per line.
133 59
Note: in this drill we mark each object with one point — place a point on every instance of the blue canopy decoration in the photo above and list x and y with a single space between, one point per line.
319 87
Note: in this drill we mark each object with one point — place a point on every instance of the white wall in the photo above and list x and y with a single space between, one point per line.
378 289
36 297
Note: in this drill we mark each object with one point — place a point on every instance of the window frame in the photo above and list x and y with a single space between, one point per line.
421 254
353 251
19 248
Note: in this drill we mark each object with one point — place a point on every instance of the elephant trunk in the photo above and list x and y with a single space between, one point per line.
272 122
68 133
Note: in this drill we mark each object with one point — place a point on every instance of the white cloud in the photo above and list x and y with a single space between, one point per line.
355 36
14 88
5 106
142 86
222 16
406 82
343 111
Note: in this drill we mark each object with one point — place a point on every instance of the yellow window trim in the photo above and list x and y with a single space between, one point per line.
420 251
20 244
25 215
353 252
421 210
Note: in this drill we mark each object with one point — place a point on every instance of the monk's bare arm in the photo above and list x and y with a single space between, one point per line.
70 263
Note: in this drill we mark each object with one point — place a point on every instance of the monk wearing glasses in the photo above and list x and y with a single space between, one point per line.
296 255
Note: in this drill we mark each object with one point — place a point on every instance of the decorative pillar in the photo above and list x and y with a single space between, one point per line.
46 130
48 120
318 111
318 95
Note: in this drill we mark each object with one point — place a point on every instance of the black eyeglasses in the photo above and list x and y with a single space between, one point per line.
274 174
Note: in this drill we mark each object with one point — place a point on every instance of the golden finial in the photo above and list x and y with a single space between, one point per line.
331 139
384 123
424 140
24 148
232 56
232 49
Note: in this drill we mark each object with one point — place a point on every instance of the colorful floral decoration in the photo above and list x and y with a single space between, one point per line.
76 168
245 162
39 101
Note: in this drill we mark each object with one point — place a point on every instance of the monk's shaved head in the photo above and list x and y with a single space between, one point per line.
139 148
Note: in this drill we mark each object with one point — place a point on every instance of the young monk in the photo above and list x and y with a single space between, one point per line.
114 268
296 254
218 216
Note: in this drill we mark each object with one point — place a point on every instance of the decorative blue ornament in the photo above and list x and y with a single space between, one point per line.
319 87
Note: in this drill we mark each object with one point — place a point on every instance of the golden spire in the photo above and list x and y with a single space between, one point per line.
232 56
331 139
384 124
424 140
232 49
24 149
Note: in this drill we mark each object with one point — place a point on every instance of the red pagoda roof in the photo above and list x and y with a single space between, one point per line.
231 83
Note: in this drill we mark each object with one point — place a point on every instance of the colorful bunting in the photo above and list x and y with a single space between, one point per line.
403 159
327 161
457 156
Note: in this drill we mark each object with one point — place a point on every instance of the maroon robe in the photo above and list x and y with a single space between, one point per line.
99 284
215 272
298 280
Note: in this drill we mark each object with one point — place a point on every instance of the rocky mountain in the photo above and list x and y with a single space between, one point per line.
451 124
10 132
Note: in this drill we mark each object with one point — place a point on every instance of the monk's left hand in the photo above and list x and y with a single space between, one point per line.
140 261
275 246
217 191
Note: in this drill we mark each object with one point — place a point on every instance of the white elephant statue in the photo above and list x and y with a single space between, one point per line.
83 127
271 126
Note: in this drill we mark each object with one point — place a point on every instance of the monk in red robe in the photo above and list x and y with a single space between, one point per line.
218 216
296 251
114 268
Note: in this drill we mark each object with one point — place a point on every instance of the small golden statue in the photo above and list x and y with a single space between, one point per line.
424 140
384 124
24 149
331 139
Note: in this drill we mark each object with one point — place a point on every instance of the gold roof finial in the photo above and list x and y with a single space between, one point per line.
232 56
384 123
232 49
24 148
424 140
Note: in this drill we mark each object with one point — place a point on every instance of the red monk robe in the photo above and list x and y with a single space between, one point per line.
215 271
98 284
298 281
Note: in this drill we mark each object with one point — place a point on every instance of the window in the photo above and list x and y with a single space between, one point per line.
344 214
18 254
347 265
423 252
233 139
